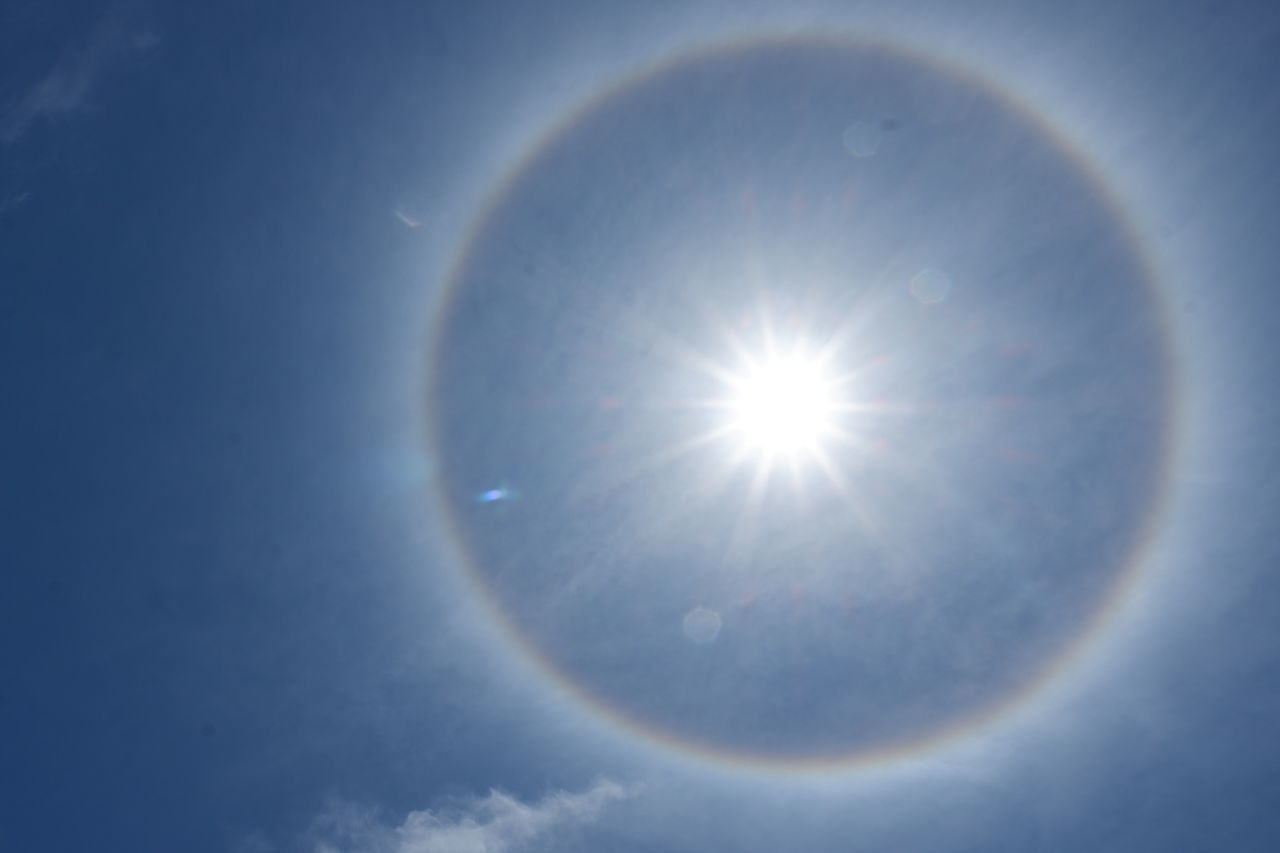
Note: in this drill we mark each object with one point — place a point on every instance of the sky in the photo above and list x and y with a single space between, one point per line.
437 428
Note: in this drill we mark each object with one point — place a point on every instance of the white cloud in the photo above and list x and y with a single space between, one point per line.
13 202
407 219
497 823
65 88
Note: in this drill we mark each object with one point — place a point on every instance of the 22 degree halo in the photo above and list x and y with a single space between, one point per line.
801 400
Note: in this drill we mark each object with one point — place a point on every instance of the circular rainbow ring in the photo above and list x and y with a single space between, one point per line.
1127 577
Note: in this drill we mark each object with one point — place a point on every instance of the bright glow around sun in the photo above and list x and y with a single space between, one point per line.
790 404
783 406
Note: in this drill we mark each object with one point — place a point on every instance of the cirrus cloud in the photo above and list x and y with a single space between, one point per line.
65 87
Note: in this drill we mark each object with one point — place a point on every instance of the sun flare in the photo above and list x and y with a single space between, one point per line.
784 405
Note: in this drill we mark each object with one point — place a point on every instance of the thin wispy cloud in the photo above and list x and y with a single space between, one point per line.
408 220
497 823
13 201
66 87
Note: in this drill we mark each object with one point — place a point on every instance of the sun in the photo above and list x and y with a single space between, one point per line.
783 405
791 404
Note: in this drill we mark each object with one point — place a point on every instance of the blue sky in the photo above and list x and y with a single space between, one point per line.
373 481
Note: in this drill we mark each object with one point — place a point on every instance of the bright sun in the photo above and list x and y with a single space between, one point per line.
784 405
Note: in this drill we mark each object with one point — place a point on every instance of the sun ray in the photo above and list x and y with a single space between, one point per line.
743 534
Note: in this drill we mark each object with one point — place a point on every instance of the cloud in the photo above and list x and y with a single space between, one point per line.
65 88
13 201
497 823
407 219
